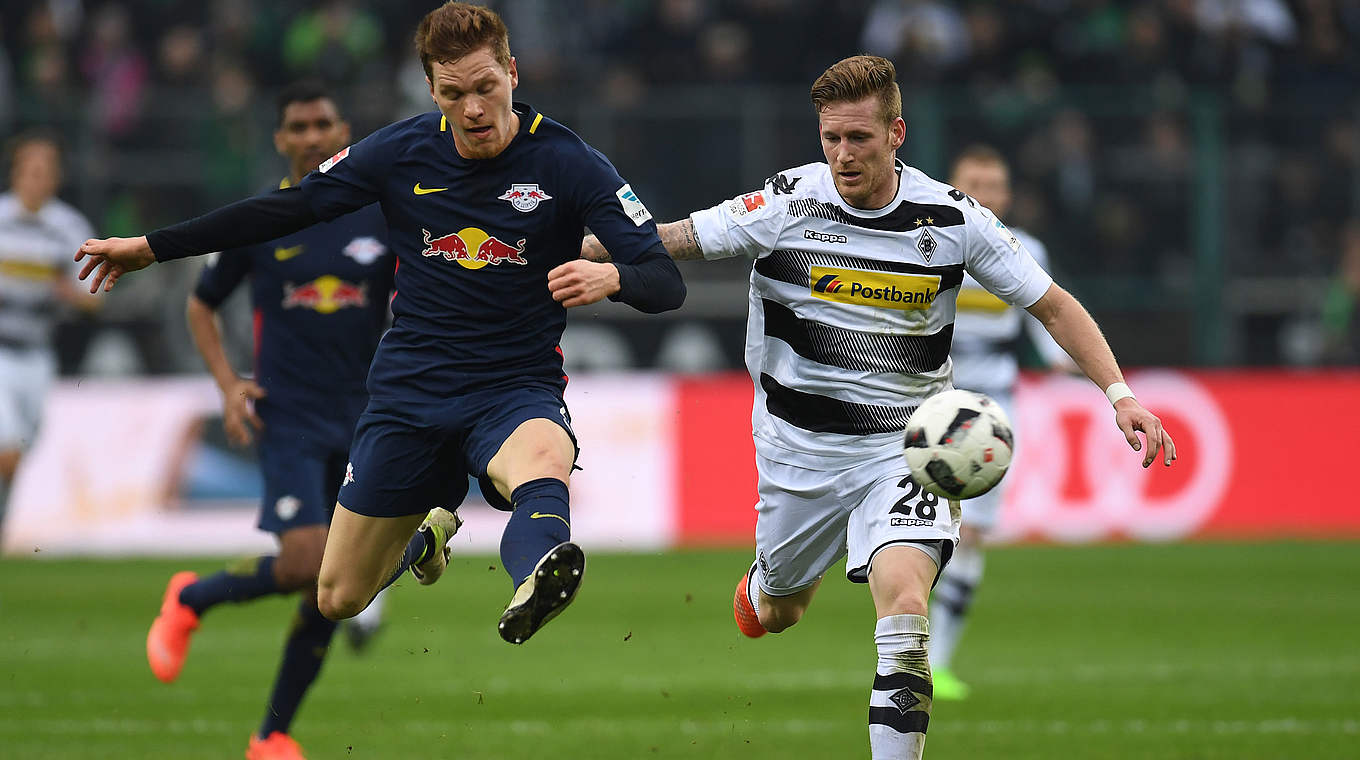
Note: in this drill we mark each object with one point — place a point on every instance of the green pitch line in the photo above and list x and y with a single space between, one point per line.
1195 651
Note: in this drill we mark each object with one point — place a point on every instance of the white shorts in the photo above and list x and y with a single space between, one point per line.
807 519
25 376
983 512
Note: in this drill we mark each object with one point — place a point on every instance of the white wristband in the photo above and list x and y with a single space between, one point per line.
1118 391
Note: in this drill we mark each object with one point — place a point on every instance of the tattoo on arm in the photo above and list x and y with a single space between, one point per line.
679 238
592 250
681 241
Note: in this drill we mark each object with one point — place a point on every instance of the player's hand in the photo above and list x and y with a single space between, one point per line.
1130 416
238 411
111 258
581 282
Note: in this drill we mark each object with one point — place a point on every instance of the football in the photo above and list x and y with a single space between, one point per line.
958 444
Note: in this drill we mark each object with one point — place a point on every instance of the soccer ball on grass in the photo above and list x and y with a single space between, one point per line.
958 444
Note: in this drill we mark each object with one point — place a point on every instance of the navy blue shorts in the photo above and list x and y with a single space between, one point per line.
407 459
302 458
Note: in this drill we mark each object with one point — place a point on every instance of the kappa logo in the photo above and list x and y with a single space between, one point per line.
349 474
824 237
473 248
781 184
525 197
961 196
333 160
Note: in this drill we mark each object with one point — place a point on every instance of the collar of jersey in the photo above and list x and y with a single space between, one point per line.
902 179
528 118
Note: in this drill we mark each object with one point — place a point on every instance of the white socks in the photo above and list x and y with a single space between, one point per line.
899 706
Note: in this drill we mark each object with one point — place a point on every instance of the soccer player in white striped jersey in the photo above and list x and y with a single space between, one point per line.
857 265
37 231
987 334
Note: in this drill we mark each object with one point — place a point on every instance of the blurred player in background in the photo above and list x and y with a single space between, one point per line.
35 227
486 201
987 334
858 262
319 297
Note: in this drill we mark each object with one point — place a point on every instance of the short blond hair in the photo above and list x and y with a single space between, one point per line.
855 78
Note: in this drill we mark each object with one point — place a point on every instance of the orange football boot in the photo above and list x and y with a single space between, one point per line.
277 746
167 643
745 614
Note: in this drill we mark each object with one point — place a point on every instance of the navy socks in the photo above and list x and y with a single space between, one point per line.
245 580
303 652
541 520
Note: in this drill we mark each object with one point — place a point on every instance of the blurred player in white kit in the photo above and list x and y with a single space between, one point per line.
37 233
987 335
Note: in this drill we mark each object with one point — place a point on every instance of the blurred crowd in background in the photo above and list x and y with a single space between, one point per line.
1193 165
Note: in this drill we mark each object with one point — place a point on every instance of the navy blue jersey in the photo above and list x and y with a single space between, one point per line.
475 240
320 302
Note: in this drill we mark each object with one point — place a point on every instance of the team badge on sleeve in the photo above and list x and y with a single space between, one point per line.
746 204
1007 235
632 206
526 197
333 160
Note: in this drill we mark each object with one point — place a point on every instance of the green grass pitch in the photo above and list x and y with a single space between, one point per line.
1187 651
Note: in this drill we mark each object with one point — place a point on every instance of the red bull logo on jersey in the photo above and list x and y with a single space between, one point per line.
524 197
473 248
885 290
326 294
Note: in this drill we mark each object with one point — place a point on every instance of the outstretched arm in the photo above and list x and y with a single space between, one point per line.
246 222
1074 329
678 237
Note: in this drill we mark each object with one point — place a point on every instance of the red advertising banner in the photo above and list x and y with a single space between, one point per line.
1261 454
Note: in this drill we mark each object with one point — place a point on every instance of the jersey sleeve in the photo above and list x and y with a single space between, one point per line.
220 276
349 180
748 225
999 261
610 207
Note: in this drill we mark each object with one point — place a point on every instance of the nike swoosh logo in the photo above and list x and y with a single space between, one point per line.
427 190
284 254
540 515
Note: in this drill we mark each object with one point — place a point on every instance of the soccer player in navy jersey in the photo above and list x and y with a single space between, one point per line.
319 298
486 202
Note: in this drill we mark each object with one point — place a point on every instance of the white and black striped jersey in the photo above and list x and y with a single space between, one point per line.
35 250
851 311
987 333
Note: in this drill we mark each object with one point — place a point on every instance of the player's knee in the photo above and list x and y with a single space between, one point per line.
338 604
